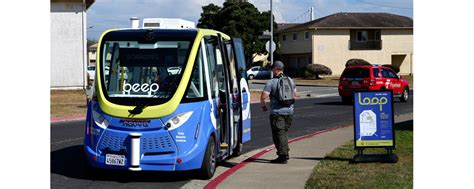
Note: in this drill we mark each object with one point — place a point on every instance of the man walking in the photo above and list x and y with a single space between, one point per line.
281 113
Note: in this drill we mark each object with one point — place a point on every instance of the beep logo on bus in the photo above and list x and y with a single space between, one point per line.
136 87
373 101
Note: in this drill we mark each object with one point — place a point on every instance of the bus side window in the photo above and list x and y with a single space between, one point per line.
197 83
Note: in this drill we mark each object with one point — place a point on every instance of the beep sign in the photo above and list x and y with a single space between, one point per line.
373 119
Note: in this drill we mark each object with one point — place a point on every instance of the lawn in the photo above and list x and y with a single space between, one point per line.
336 171
68 103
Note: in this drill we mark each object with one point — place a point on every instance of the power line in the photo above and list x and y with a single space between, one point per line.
301 16
369 3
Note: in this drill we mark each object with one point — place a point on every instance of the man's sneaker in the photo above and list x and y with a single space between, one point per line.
280 160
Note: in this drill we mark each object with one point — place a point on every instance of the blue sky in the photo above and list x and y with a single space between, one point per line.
105 14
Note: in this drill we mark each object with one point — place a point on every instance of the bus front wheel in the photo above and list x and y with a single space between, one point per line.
210 160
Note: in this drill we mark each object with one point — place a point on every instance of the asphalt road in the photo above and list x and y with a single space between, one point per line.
303 91
67 168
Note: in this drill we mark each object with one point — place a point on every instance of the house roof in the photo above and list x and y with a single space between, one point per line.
87 2
94 46
357 20
283 26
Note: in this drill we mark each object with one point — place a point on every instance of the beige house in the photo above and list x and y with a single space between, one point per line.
91 55
379 38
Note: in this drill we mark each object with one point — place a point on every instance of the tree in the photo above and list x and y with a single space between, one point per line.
209 16
357 62
313 71
238 19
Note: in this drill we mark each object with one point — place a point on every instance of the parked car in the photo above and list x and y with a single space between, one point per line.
371 78
91 72
258 72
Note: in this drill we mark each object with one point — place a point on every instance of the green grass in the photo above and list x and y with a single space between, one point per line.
336 171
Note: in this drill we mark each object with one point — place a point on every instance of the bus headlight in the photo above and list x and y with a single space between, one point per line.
178 120
100 120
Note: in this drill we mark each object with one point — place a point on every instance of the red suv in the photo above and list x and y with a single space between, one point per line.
372 78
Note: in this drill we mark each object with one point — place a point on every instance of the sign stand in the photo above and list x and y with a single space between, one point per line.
389 157
373 126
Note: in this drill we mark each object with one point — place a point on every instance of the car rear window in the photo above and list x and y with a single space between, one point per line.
376 72
356 73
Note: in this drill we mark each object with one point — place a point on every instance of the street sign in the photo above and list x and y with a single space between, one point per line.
373 119
267 46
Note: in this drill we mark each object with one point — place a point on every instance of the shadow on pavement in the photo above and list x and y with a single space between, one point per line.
404 126
70 162
226 164
325 158
337 103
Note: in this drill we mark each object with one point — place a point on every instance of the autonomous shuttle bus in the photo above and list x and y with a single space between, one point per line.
167 97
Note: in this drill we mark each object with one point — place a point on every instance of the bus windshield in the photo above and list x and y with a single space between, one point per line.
140 71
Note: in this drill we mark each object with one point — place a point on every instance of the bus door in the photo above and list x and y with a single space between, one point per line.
226 106
244 92
235 137
219 91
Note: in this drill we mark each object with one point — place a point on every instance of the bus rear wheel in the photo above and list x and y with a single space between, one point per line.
209 161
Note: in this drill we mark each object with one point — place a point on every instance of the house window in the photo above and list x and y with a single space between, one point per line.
295 36
306 35
369 39
283 37
362 36
377 35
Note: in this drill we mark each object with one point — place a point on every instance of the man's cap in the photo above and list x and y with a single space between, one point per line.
278 64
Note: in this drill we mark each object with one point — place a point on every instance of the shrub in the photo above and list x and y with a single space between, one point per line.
357 62
394 68
313 71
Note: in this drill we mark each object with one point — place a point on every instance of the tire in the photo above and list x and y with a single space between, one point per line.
251 77
209 161
346 100
405 95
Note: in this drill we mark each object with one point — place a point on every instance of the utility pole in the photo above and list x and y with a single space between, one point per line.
271 32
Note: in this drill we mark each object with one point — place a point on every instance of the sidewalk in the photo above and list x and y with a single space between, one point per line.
305 153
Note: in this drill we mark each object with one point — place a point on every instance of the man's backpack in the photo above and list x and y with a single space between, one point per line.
284 93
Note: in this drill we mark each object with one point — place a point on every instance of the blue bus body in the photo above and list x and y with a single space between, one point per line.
202 117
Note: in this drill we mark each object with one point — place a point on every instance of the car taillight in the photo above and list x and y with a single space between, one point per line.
372 82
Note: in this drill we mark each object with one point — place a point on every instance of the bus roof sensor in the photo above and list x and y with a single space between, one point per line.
167 23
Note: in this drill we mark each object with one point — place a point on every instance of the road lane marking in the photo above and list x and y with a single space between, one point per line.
68 140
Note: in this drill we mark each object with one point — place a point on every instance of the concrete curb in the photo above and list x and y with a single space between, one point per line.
67 118
221 178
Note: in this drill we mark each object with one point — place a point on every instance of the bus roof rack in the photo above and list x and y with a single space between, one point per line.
167 23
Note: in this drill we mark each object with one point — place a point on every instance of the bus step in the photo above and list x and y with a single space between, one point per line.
224 146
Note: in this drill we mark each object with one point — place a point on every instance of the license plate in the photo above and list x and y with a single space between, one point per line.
112 159
355 83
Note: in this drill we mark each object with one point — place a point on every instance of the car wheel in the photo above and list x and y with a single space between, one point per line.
251 77
346 100
405 95
210 160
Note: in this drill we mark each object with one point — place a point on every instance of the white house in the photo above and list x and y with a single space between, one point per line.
68 43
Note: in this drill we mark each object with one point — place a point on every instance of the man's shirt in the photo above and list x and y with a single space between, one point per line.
275 106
